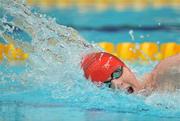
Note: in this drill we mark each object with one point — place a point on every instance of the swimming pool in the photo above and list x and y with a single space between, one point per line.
150 24
44 89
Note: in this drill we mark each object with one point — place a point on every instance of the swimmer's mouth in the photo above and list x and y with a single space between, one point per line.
130 90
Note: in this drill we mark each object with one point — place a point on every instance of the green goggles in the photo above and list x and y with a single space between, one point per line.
115 75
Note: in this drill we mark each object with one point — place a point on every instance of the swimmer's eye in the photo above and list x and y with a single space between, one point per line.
115 75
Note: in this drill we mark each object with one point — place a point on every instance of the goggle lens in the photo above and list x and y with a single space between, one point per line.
115 75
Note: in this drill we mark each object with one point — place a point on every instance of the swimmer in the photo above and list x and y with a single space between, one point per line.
102 67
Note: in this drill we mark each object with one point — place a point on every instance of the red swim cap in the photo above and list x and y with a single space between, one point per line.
99 66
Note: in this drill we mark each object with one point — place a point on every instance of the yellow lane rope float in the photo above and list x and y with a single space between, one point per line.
127 51
102 4
11 53
148 51
108 46
168 49
142 51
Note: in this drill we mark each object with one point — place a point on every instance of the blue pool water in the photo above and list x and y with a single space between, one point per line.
151 24
50 85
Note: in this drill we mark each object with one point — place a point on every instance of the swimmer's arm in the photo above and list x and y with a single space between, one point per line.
166 75
166 64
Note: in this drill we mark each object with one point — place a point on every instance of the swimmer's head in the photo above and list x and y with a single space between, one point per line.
106 68
99 66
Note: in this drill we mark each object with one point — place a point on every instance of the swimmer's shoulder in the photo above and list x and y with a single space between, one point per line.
167 73
168 63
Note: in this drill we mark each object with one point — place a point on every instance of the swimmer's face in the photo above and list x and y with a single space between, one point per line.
126 82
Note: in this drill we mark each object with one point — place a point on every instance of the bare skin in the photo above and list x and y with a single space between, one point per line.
164 77
127 80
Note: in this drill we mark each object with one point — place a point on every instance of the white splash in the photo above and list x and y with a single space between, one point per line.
131 33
